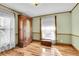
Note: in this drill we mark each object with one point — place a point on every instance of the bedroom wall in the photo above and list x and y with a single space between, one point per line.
75 27
64 28
36 28
67 27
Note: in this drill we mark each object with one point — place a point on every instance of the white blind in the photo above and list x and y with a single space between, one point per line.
7 29
48 27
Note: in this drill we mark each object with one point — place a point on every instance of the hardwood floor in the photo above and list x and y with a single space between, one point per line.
67 50
36 49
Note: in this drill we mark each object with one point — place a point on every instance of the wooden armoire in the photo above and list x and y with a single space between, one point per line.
24 30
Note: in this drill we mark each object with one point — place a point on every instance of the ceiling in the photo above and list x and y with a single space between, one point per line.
42 8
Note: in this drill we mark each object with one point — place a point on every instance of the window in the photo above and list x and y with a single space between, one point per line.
7 30
1 21
48 27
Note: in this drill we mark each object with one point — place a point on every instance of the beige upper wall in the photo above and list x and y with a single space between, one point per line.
75 20
64 27
64 23
36 24
75 27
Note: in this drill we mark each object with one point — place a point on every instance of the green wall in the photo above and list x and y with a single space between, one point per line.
64 25
64 28
68 24
75 27
36 28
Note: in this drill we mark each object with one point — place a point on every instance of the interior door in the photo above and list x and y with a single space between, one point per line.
27 31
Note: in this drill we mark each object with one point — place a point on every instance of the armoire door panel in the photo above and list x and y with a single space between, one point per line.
24 29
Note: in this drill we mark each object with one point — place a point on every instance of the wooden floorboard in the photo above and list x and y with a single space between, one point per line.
36 49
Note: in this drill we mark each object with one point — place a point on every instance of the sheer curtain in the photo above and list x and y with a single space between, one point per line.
48 27
7 29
